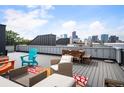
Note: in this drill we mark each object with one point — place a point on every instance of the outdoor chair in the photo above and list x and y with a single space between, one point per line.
4 58
6 66
31 58
63 66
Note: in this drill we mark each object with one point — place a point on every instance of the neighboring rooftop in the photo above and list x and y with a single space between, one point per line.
47 39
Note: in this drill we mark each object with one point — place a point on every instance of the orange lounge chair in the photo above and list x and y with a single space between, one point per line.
4 58
6 66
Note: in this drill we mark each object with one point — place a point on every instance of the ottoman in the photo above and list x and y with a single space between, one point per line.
57 80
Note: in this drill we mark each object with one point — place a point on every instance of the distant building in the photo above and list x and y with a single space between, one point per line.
89 38
48 39
71 41
74 35
87 42
63 41
64 36
95 38
57 38
104 38
113 39
76 40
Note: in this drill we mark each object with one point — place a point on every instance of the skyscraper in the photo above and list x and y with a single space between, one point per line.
75 38
95 38
104 37
113 38
65 36
74 35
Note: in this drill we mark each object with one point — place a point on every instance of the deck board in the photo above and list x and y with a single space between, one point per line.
80 69
99 83
112 72
119 72
95 80
90 70
91 74
97 71
86 69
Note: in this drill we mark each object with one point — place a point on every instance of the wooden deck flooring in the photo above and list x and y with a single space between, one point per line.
97 71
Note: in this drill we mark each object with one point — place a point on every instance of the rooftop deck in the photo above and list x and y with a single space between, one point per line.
43 60
96 71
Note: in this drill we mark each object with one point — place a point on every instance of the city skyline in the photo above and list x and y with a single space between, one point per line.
30 21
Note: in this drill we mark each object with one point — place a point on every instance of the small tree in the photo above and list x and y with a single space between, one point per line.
13 38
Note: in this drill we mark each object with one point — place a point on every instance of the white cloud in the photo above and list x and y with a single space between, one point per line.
84 30
27 24
119 31
23 23
96 28
70 25
42 10
32 6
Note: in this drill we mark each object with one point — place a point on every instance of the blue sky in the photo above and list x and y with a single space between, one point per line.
30 21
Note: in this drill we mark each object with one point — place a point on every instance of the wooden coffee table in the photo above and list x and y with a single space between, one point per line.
40 69
24 77
49 71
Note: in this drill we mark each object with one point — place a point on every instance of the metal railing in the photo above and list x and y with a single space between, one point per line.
97 52
10 48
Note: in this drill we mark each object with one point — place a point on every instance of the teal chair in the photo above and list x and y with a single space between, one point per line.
31 61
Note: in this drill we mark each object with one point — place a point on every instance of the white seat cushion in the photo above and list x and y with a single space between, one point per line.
66 59
57 80
55 67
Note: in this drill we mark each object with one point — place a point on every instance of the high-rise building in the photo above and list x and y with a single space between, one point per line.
95 38
104 37
48 39
89 38
65 36
75 38
113 38
74 35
